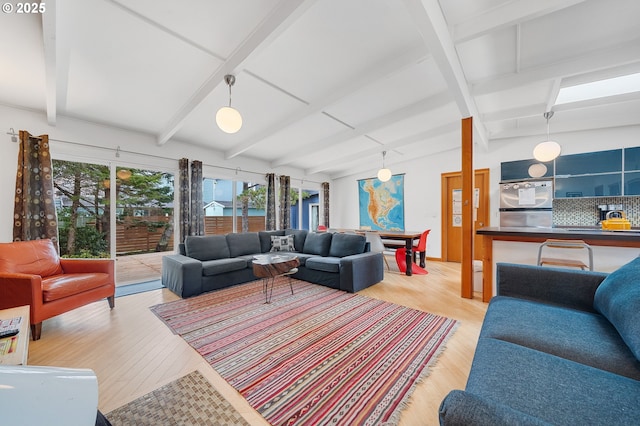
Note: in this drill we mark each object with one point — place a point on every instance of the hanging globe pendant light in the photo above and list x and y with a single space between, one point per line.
548 150
384 174
229 119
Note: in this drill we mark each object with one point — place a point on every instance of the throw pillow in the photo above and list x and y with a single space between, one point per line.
618 299
284 243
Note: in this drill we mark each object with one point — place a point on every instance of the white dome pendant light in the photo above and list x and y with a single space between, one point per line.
548 150
537 170
384 174
229 119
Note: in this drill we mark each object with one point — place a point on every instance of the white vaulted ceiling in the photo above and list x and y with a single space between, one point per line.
322 85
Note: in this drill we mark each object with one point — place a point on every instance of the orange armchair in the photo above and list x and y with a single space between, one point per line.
31 273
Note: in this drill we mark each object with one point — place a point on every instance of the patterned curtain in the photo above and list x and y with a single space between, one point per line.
325 200
197 205
34 210
285 202
183 183
270 218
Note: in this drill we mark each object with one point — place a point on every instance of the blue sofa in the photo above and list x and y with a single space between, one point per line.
206 263
557 346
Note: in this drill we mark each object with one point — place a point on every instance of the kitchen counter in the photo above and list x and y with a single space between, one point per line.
594 236
611 249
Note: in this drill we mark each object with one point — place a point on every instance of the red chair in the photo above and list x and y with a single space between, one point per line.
321 228
421 248
31 273
401 260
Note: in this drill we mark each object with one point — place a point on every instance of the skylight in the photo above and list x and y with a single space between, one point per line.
600 89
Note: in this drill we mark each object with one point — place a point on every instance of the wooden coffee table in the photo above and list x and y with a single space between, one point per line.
270 266
16 350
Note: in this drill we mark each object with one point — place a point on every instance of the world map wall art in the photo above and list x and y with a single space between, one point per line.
382 203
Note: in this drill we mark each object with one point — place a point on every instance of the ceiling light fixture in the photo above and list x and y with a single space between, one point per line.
548 150
229 119
384 174
537 170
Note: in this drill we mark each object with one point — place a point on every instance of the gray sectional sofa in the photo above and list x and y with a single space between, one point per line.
206 263
557 346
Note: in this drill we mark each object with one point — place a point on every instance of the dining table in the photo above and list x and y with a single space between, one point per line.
408 238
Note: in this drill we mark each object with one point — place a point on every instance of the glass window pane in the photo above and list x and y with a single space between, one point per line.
83 217
302 216
218 206
144 223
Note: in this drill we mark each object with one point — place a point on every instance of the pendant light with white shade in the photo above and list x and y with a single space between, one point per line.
229 119
384 174
537 170
547 150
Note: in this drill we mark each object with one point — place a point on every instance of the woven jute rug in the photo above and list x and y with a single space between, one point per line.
316 357
190 400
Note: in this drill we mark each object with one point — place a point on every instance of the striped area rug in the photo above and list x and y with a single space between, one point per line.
319 356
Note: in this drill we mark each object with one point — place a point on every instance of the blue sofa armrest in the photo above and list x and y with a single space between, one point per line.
360 271
182 275
563 287
463 408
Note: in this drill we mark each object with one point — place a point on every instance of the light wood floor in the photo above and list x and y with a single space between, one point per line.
133 353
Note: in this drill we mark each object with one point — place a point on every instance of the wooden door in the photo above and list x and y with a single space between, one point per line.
452 210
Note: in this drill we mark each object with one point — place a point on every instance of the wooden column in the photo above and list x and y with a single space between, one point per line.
467 208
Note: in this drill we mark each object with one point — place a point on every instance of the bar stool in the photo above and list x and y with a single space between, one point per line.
565 244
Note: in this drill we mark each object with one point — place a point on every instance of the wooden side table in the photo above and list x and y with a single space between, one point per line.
19 352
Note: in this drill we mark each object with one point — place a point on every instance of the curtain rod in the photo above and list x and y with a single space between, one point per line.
118 150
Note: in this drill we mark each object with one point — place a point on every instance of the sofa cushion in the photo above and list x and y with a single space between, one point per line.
36 257
243 243
283 243
300 236
465 408
317 243
325 264
208 247
554 389
584 337
618 299
221 266
347 244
